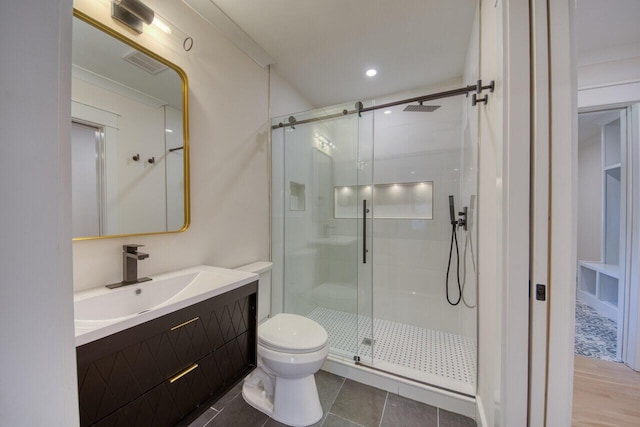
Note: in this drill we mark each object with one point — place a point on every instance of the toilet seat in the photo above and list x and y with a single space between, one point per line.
290 333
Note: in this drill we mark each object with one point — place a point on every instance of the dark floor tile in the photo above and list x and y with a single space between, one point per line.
238 413
336 421
203 419
402 412
228 397
359 403
328 387
451 419
273 423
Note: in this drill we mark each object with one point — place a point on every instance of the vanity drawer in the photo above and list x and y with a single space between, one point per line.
120 368
175 398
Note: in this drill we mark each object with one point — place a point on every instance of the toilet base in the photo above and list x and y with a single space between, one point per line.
295 401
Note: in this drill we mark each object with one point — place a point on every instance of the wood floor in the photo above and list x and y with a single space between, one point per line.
605 394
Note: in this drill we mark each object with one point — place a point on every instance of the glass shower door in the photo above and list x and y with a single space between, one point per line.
321 228
365 215
421 325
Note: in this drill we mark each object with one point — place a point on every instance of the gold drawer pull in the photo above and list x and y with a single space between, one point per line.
185 323
183 373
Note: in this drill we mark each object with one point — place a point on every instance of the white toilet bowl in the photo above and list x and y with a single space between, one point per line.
291 349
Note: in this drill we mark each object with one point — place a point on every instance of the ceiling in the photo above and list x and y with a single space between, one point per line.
323 48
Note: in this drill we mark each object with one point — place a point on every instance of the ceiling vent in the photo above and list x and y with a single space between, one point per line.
145 62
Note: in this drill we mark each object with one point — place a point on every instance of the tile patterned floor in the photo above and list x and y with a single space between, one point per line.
345 403
424 350
596 335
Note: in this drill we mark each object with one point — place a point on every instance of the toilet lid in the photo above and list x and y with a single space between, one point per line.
291 333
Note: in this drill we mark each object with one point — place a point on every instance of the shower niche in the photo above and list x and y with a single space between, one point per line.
297 196
410 200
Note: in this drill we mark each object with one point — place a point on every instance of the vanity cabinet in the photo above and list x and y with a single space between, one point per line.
158 372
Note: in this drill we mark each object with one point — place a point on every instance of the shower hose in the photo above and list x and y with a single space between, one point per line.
468 243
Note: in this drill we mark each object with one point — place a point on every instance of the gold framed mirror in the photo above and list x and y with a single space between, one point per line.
130 137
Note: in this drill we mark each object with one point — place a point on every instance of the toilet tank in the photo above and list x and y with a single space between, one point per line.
263 270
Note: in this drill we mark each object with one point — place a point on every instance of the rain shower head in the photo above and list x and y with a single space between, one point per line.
421 108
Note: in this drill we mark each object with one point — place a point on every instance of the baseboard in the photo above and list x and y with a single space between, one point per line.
481 417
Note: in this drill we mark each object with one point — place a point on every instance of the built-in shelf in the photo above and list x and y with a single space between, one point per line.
598 287
297 196
612 167
410 200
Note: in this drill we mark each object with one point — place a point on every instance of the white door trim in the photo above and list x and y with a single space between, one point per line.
563 212
539 231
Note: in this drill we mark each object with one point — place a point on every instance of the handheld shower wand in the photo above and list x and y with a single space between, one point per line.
454 239
464 222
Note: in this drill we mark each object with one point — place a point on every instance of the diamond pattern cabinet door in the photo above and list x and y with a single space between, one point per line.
155 408
227 321
114 373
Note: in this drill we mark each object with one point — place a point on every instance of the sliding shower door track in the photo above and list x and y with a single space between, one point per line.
374 368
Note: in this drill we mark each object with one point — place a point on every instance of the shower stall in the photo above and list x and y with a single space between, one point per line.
363 235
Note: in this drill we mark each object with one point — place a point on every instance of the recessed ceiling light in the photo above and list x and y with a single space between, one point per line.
372 72
387 111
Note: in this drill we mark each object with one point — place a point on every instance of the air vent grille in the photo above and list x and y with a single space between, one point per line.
145 62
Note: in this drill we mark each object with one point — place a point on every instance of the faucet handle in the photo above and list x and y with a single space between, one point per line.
131 248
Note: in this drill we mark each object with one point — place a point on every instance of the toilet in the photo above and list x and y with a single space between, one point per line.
291 349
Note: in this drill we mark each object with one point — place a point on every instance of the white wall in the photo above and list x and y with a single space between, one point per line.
601 67
590 200
489 290
609 76
38 373
503 215
228 134
284 99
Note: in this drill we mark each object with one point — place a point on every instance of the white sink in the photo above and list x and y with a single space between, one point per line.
100 312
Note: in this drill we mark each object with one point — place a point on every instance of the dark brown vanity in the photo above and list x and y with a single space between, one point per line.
159 372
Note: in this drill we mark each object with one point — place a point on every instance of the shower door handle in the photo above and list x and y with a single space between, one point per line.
365 211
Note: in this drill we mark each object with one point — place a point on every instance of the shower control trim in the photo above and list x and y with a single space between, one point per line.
462 218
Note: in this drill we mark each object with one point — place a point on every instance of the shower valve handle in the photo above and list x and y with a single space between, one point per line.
462 218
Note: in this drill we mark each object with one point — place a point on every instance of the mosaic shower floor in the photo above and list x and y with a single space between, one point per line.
596 335
434 357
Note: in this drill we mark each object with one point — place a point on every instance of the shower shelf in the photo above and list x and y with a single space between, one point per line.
598 287
409 200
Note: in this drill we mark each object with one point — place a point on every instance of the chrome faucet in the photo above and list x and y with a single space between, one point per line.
130 258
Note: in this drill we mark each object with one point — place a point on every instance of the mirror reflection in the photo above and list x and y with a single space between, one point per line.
129 145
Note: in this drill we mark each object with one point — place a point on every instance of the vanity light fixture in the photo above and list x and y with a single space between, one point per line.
134 13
